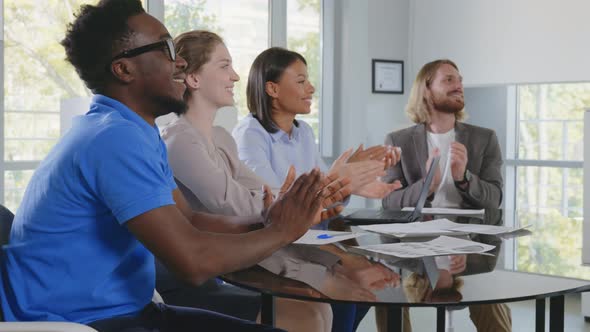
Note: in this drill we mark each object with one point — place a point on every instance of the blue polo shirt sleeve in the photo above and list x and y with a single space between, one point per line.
128 171
167 168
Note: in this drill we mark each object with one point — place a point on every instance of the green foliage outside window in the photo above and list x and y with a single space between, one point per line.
556 248
36 79
308 44
551 198
183 16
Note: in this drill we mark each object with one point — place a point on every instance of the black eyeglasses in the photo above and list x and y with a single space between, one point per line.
168 43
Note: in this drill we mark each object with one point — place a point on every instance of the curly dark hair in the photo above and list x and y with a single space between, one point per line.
96 33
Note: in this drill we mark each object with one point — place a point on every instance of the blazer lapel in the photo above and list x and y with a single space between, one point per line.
420 147
462 136
461 133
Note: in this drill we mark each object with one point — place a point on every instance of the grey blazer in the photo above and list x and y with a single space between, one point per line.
484 162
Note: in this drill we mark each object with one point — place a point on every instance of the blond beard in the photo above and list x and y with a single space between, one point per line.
448 107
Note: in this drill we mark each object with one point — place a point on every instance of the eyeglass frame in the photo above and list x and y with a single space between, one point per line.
168 42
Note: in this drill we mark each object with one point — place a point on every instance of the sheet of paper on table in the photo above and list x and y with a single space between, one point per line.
486 229
443 245
447 211
413 229
437 227
319 237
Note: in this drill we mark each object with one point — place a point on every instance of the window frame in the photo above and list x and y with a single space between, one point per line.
3 165
277 37
513 162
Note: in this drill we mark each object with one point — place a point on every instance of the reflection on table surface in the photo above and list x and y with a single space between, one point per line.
477 280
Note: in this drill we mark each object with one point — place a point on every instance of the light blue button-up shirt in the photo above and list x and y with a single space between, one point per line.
270 155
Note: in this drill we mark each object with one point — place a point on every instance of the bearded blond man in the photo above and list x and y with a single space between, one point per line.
470 167
469 174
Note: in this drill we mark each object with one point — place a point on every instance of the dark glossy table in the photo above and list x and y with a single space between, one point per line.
482 283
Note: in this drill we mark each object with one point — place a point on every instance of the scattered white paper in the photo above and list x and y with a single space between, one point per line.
485 229
446 224
319 237
458 212
443 245
415 229
438 227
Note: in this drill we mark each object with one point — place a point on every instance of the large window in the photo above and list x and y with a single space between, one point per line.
42 91
243 25
37 80
548 176
303 36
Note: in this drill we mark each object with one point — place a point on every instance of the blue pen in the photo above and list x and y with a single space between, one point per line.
325 236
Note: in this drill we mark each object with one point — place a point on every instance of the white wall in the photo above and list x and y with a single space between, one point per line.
351 74
487 107
365 30
388 39
586 228
504 41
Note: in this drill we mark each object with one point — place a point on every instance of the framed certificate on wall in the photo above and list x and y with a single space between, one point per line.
388 76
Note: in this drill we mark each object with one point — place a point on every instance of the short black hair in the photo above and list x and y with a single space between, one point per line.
95 34
268 66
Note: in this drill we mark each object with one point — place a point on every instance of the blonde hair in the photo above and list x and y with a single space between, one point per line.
417 108
196 47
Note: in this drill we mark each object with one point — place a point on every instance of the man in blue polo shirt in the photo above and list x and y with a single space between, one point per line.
104 201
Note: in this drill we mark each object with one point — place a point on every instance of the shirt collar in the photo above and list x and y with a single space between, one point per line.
282 135
125 112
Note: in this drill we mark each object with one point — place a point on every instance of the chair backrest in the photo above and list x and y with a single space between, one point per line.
6 218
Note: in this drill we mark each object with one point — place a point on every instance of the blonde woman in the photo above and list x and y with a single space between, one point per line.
207 169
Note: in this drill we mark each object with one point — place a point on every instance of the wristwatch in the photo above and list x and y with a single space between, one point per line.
466 178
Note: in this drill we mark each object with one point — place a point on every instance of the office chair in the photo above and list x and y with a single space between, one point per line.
6 218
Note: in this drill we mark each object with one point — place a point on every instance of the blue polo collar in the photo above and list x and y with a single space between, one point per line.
104 101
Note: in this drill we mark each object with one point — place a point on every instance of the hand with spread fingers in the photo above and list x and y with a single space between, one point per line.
393 156
359 269
338 286
310 199
268 196
390 155
377 152
372 276
360 173
334 191
364 167
295 210
378 189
